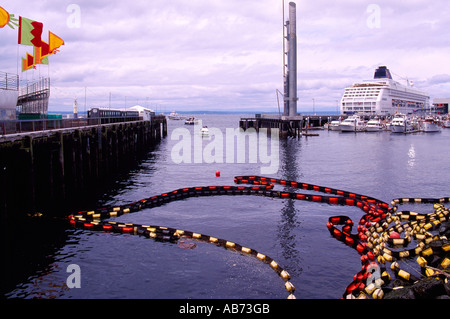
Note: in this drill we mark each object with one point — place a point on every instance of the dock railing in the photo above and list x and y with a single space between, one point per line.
9 81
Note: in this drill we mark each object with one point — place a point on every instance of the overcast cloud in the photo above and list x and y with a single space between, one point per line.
227 54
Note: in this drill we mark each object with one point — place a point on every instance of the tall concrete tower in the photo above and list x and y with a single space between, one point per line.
290 76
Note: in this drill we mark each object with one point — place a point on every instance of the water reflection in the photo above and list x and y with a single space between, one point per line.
32 256
28 255
289 169
412 156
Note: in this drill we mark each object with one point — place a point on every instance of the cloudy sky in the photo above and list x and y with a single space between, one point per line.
227 54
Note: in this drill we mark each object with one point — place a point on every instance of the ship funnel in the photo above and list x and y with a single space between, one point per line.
382 73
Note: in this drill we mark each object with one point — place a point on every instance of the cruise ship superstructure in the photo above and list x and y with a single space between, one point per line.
382 96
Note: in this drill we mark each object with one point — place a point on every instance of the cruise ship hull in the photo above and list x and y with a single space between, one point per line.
382 96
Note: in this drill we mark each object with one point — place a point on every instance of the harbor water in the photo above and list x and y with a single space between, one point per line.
294 233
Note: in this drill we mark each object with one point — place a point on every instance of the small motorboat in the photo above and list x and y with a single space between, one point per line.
335 125
191 121
446 122
374 125
175 116
353 123
429 124
204 131
401 124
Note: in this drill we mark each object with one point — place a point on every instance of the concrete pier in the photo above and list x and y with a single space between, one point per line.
287 127
293 126
48 171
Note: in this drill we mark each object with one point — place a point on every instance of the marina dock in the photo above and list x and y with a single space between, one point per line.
294 126
42 171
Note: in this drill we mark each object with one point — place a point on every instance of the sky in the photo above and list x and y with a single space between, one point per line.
227 55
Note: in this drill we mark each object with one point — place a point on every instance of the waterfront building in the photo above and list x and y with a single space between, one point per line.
440 105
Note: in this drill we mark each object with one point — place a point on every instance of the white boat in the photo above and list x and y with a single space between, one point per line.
374 125
446 122
382 95
191 121
353 123
429 124
204 131
401 124
335 125
175 116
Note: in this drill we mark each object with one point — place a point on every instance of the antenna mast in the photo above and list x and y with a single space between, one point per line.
284 45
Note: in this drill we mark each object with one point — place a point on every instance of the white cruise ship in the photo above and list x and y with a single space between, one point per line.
382 96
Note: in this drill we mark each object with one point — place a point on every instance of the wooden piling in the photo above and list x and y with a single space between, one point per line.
52 171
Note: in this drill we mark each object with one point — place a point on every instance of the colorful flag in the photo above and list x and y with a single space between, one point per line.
41 54
30 32
45 49
28 62
54 42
